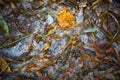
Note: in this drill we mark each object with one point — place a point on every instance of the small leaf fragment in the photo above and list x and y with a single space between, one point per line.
40 3
4 65
3 24
47 46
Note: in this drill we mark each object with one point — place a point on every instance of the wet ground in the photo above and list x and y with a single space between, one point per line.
60 40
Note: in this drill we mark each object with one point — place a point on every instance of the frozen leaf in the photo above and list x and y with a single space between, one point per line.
57 45
90 29
80 16
26 5
50 19
65 19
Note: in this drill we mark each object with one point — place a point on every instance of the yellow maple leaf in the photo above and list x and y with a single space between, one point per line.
65 19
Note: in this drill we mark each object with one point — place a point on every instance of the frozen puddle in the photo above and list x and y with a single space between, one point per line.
16 50
57 45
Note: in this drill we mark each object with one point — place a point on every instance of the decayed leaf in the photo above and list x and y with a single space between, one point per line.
102 50
4 65
38 63
65 19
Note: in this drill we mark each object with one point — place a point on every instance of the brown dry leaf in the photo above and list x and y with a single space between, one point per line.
65 19
4 65
100 77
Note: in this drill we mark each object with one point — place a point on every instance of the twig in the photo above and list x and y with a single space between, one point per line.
15 41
